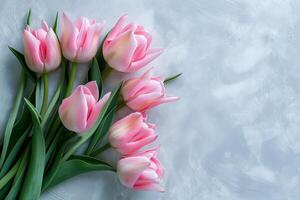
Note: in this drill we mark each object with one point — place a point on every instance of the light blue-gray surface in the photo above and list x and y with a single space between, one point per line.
235 133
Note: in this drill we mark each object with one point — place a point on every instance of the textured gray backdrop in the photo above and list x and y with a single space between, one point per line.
235 133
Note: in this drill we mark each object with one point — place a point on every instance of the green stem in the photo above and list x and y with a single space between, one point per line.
120 105
106 71
37 94
45 96
100 150
56 96
72 78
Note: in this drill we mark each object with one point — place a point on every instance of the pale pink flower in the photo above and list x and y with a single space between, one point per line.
80 40
127 47
145 92
141 171
80 111
131 133
41 49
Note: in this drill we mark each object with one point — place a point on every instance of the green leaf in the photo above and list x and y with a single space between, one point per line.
18 180
21 60
33 181
55 24
95 75
10 174
50 174
28 21
99 55
13 153
5 190
53 145
101 131
100 150
12 118
78 165
23 123
172 78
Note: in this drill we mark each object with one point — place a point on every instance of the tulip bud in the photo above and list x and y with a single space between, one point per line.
141 171
80 40
127 48
131 134
41 49
80 111
145 92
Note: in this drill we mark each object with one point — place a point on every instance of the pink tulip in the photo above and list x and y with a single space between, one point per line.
145 92
131 134
127 48
41 47
80 111
141 171
80 40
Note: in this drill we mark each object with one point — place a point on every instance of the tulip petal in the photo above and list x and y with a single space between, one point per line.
69 38
158 167
151 55
149 153
118 53
144 101
53 54
132 86
45 26
123 130
32 52
132 147
73 111
140 51
130 168
140 31
118 27
93 88
164 100
96 111
89 45
149 187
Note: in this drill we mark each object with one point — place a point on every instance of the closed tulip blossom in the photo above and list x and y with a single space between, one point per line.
127 47
41 49
80 40
141 171
80 111
145 92
131 133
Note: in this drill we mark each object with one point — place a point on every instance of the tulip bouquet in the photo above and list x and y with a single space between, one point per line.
48 140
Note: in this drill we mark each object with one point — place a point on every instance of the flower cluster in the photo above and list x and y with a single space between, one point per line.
84 114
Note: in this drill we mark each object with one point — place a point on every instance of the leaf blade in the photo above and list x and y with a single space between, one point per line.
169 79
12 118
55 24
28 21
78 165
95 75
21 59
18 180
31 189
100 132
